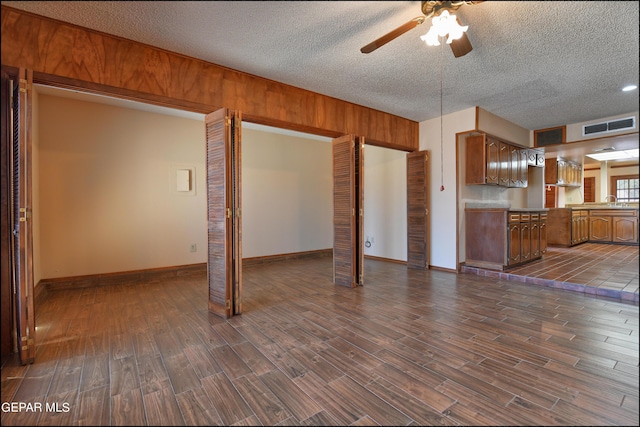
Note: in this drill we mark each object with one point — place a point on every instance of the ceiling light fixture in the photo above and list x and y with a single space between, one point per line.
441 26
615 155
629 88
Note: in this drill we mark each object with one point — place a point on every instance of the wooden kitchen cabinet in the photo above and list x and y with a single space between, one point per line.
495 162
572 226
499 238
563 173
613 226
535 157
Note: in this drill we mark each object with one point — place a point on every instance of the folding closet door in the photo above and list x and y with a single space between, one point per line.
348 210
20 211
417 210
224 227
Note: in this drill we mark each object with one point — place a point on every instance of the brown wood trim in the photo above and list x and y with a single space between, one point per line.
64 54
448 270
624 166
248 262
377 258
87 281
74 282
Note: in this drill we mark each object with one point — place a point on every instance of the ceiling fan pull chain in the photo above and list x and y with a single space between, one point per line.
441 127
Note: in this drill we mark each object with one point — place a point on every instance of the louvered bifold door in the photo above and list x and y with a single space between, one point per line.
223 212
417 210
359 195
22 216
348 250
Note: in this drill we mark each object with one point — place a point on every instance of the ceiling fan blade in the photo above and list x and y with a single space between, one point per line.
461 46
393 34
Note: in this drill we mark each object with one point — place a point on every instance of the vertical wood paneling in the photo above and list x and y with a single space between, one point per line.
344 231
219 266
81 58
417 210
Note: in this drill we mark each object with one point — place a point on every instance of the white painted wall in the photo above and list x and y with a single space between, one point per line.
287 194
385 202
107 200
107 189
443 222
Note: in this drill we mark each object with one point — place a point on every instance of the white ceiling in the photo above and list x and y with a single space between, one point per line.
538 64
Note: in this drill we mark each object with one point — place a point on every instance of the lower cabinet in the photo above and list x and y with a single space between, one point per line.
567 226
614 226
499 238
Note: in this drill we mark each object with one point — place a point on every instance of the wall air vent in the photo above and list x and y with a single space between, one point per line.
612 126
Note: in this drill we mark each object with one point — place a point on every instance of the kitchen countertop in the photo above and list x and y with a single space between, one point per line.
502 206
601 206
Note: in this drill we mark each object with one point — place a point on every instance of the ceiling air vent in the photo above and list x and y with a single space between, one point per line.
612 126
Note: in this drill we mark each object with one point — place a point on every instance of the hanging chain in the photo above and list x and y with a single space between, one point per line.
441 126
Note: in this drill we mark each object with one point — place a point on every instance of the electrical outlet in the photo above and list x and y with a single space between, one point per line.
194 248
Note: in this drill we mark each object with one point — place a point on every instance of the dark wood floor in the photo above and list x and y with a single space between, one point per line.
408 348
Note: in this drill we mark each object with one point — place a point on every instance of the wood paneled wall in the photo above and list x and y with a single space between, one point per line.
66 55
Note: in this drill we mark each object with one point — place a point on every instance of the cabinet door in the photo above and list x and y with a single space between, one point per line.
625 230
514 243
504 169
562 172
493 161
584 226
535 239
524 169
543 234
525 241
600 228
575 228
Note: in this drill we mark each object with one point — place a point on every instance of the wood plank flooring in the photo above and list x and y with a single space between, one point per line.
593 268
408 348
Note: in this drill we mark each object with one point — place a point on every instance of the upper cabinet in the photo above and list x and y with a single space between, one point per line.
563 173
492 161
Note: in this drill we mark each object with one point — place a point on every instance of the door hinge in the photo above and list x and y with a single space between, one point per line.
228 304
24 214
24 85
426 211
228 212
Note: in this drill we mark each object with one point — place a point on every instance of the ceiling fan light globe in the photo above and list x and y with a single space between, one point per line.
456 32
431 38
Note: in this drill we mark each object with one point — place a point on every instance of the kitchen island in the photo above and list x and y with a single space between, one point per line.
499 237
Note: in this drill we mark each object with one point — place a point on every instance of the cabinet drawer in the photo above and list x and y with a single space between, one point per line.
514 217
535 216
525 217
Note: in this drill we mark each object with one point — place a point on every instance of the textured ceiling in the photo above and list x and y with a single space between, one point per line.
537 64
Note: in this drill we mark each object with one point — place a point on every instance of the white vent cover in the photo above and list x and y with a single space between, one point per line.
612 126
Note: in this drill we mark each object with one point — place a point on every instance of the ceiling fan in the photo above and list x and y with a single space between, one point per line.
431 9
